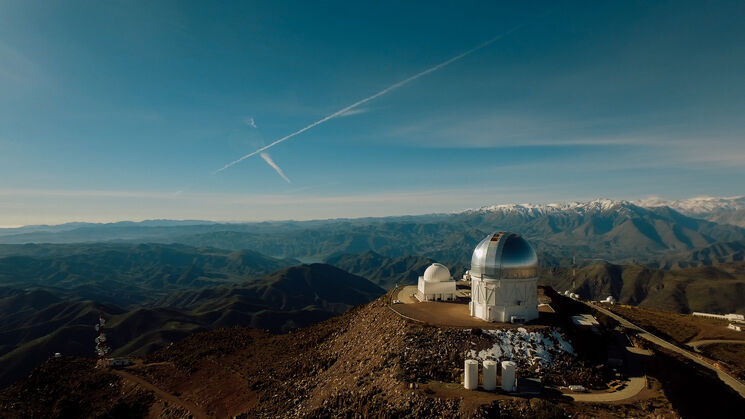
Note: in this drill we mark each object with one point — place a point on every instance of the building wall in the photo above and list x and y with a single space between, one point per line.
730 317
500 300
432 291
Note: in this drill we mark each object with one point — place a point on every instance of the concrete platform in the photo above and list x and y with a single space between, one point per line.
407 295
443 313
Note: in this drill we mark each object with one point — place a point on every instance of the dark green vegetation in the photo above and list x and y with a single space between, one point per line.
37 323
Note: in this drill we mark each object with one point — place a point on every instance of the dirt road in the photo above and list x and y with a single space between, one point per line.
632 388
724 376
698 343
163 395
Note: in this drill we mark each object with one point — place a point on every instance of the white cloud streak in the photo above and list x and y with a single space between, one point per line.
268 159
370 98
357 111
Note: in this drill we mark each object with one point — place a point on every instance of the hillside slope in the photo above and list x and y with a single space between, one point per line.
383 271
718 289
42 323
713 254
368 362
128 275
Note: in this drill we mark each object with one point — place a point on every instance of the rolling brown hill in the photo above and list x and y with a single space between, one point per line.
718 289
43 323
129 275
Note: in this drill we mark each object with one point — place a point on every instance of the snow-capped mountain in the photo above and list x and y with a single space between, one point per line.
727 210
603 228
697 205
596 205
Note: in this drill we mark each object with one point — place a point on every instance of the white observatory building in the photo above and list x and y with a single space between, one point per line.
504 279
436 284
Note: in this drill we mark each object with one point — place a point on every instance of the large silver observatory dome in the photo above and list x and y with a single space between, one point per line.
504 255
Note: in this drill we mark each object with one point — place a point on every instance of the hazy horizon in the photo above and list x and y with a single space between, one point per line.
321 218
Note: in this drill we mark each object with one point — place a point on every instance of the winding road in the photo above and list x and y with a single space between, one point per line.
632 388
697 343
728 379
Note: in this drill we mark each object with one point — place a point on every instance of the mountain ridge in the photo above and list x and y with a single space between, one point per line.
43 323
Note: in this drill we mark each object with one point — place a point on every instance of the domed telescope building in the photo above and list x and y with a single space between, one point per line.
504 279
436 284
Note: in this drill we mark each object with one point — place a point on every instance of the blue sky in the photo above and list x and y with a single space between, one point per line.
124 110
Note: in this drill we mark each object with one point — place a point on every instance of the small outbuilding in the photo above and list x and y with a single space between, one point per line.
436 284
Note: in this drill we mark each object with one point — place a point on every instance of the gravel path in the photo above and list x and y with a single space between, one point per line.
698 343
728 379
163 395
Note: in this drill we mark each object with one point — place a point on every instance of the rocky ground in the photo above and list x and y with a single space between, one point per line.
368 362
72 387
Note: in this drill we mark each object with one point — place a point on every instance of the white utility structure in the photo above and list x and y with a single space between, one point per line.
504 279
490 375
731 317
436 284
508 375
471 374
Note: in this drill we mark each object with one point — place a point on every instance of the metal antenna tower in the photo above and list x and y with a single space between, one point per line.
574 270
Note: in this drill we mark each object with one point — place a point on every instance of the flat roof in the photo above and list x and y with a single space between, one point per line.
585 320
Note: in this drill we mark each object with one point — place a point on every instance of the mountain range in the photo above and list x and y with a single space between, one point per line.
126 274
729 210
161 280
617 231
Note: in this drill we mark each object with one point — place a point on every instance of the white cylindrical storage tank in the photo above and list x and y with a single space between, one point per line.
490 375
471 379
508 375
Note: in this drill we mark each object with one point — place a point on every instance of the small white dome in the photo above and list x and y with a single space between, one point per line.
437 272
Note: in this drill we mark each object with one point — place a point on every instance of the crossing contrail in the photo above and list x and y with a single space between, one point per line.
268 159
369 98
